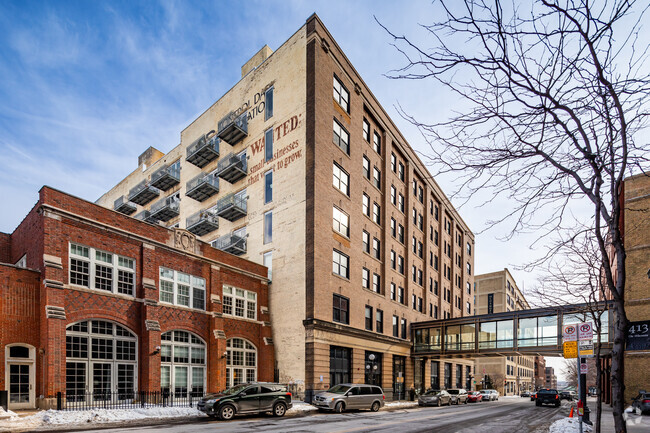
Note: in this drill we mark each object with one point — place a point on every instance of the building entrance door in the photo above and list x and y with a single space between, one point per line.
21 389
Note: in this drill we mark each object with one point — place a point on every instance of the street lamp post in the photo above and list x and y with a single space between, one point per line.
371 368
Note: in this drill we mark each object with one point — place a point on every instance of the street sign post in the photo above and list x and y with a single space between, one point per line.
584 369
586 331
570 332
570 349
586 349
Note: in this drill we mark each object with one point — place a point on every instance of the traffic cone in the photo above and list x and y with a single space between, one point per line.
571 413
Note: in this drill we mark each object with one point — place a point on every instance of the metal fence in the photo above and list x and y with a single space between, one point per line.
125 399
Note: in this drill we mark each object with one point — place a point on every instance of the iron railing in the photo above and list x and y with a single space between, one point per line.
125 399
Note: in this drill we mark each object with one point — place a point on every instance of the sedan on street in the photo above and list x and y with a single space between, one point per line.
474 397
487 395
435 398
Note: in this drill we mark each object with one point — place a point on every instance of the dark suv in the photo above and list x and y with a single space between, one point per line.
247 398
547 396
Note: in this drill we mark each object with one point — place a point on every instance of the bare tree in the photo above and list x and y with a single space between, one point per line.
557 95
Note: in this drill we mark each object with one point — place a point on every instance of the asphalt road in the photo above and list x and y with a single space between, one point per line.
503 416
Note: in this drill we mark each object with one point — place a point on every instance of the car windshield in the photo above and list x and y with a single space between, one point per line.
485 392
432 392
338 389
453 391
236 389
474 393
547 391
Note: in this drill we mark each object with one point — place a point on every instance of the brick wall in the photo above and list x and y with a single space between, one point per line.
5 248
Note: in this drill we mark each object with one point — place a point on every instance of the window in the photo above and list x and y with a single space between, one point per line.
376 213
420 276
365 240
430 309
376 143
400 296
368 318
366 167
420 250
341 95
415 216
181 289
268 227
376 248
415 188
395 327
435 287
183 363
436 263
268 104
414 273
379 321
393 259
340 264
403 326
393 195
239 303
413 302
268 144
365 278
241 362
436 238
469 269
400 171
414 244
341 222
366 130
268 262
435 311
421 194
469 249
268 187
419 304
341 137
393 162
376 283
420 222
101 270
430 284
393 294
436 212
340 365
400 264
365 205
376 177
400 233
393 227
341 179
102 357
469 308
400 203
341 309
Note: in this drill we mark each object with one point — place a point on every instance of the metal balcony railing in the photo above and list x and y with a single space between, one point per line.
143 193
145 216
165 209
166 177
233 128
123 205
203 150
202 222
202 187
232 168
231 243
232 207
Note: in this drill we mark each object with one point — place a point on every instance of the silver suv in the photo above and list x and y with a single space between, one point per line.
350 396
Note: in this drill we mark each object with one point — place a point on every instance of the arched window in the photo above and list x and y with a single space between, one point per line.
101 358
183 360
241 362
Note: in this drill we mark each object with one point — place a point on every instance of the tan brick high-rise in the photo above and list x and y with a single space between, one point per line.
316 182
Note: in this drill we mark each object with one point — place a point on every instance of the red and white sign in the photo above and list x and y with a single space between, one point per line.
570 332
585 331
583 368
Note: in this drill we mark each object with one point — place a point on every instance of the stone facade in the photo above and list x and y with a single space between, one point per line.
48 293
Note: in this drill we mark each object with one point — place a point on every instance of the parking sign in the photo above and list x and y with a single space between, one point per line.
585 331
570 332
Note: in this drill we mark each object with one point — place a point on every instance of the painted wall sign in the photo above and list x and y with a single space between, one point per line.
490 303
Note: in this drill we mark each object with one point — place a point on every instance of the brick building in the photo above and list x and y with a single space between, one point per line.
300 168
550 380
540 372
93 301
497 292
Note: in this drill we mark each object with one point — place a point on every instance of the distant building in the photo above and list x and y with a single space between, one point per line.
550 379
540 372
497 292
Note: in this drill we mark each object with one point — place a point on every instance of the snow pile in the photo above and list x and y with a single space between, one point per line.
400 404
568 425
301 406
4 414
54 417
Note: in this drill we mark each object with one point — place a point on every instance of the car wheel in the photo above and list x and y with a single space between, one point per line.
279 409
375 406
537 404
338 408
465 401
557 404
449 402
227 412
439 404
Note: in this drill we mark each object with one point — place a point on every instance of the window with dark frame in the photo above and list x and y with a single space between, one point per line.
341 94
341 137
341 309
368 318
340 264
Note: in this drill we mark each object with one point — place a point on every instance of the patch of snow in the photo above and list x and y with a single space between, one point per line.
510 397
399 404
301 406
54 417
4 414
568 425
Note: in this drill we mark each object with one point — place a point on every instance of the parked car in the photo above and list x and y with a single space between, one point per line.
641 403
487 395
525 394
568 395
458 396
435 397
494 393
547 396
474 397
533 396
350 396
247 398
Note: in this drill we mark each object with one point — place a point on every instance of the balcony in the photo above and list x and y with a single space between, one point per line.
203 150
165 209
202 223
232 168
145 216
166 177
202 187
233 128
232 207
231 243
123 205
143 193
